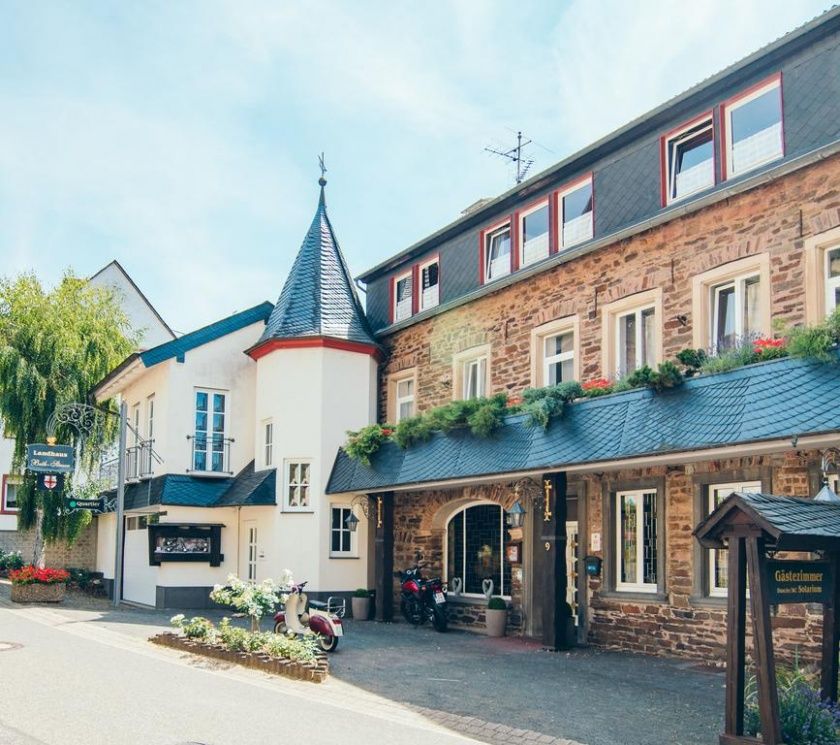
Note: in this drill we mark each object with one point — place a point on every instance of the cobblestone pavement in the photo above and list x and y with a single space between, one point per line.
500 691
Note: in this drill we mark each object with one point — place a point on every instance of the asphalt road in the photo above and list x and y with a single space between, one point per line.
73 682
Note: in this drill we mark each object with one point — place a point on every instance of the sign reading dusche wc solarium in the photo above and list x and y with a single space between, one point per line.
799 581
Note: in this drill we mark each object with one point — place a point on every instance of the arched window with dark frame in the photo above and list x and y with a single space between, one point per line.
475 549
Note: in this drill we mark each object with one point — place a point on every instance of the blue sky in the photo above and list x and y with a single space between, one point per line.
181 137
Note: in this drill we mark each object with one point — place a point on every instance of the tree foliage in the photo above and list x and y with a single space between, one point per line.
54 347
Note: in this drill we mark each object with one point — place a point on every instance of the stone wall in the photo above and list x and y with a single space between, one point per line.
420 520
774 219
81 554
686 622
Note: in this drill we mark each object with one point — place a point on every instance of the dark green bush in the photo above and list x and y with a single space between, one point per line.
362 445
361 592
496 603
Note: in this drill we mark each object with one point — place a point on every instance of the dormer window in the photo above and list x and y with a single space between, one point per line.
403 297
689 159
753 125
533 227
576 210
429 284
497 253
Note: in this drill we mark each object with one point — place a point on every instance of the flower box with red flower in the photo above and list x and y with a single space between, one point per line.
769 349
38 585
597 387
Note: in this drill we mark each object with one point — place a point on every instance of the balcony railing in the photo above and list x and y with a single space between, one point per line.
139 464
209 454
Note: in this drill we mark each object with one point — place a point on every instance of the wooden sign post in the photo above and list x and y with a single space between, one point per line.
749 526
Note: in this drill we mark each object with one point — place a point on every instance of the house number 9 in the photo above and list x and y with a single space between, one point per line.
547 546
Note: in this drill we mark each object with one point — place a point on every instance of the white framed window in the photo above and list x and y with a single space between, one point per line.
210 434
475 549
832 280
253 553
10 494
635 339
137 522
690 160
555 352
404 399
475 377
497 255
754 129
636 551
534 227
268 443
342 539
559 358
471 373
403 296
736 312
719 557
150 417
834 482
298 485
135 423
430 284
576 205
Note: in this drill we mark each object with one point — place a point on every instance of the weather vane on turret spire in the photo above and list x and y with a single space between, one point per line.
322 181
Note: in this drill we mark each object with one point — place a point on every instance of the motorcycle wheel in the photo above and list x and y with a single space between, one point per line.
412 612
439 619
280 627
327 643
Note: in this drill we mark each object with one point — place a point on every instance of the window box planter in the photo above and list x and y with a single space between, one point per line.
39 593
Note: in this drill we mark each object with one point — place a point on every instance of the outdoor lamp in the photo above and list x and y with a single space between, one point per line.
516 515
352 522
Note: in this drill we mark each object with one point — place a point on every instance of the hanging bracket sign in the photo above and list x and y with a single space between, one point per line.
799 581
43 458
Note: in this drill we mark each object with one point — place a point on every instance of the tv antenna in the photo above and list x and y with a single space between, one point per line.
514 155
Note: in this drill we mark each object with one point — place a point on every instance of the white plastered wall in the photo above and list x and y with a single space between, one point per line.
313 396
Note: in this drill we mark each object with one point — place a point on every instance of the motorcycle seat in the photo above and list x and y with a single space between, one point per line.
317 604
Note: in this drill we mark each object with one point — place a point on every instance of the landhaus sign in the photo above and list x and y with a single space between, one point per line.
43 458
799 581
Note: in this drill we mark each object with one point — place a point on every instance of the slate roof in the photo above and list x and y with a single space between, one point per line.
767 401
791 523
247 488
179 347
319 298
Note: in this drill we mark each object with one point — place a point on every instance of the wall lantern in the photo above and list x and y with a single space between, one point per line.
516 515
351 521
830 458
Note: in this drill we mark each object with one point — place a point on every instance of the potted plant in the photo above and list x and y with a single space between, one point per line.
10 561
361 604
33 585
496 616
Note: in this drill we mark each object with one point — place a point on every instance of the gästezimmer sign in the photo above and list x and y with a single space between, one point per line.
799 581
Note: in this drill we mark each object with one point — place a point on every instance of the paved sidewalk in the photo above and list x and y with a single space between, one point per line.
500 691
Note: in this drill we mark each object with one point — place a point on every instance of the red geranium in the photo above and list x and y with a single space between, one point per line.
31 575
597 384
760 344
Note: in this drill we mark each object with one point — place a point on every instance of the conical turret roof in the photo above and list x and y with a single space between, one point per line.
319 299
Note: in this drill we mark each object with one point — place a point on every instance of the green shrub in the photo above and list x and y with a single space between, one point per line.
692 360
412 430
805 719
496 603
361 593
298 648
542 404
666 375
197 627
363 444
488 415
731 359
816 342
12 561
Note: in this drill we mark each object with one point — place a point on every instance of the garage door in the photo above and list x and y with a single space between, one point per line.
139 579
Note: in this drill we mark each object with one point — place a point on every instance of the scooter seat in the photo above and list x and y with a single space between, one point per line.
317 604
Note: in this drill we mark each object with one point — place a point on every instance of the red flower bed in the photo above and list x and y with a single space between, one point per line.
759 345
31 575
597 384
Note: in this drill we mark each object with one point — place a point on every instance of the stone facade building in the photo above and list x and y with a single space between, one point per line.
708 223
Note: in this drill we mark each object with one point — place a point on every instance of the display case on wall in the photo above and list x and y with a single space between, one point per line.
186 542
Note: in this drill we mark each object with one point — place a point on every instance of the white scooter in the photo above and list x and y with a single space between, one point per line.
323 619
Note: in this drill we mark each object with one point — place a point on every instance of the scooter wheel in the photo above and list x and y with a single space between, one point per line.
280 627
327 643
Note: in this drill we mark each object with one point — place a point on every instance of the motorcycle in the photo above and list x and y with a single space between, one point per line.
422 599
301 616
